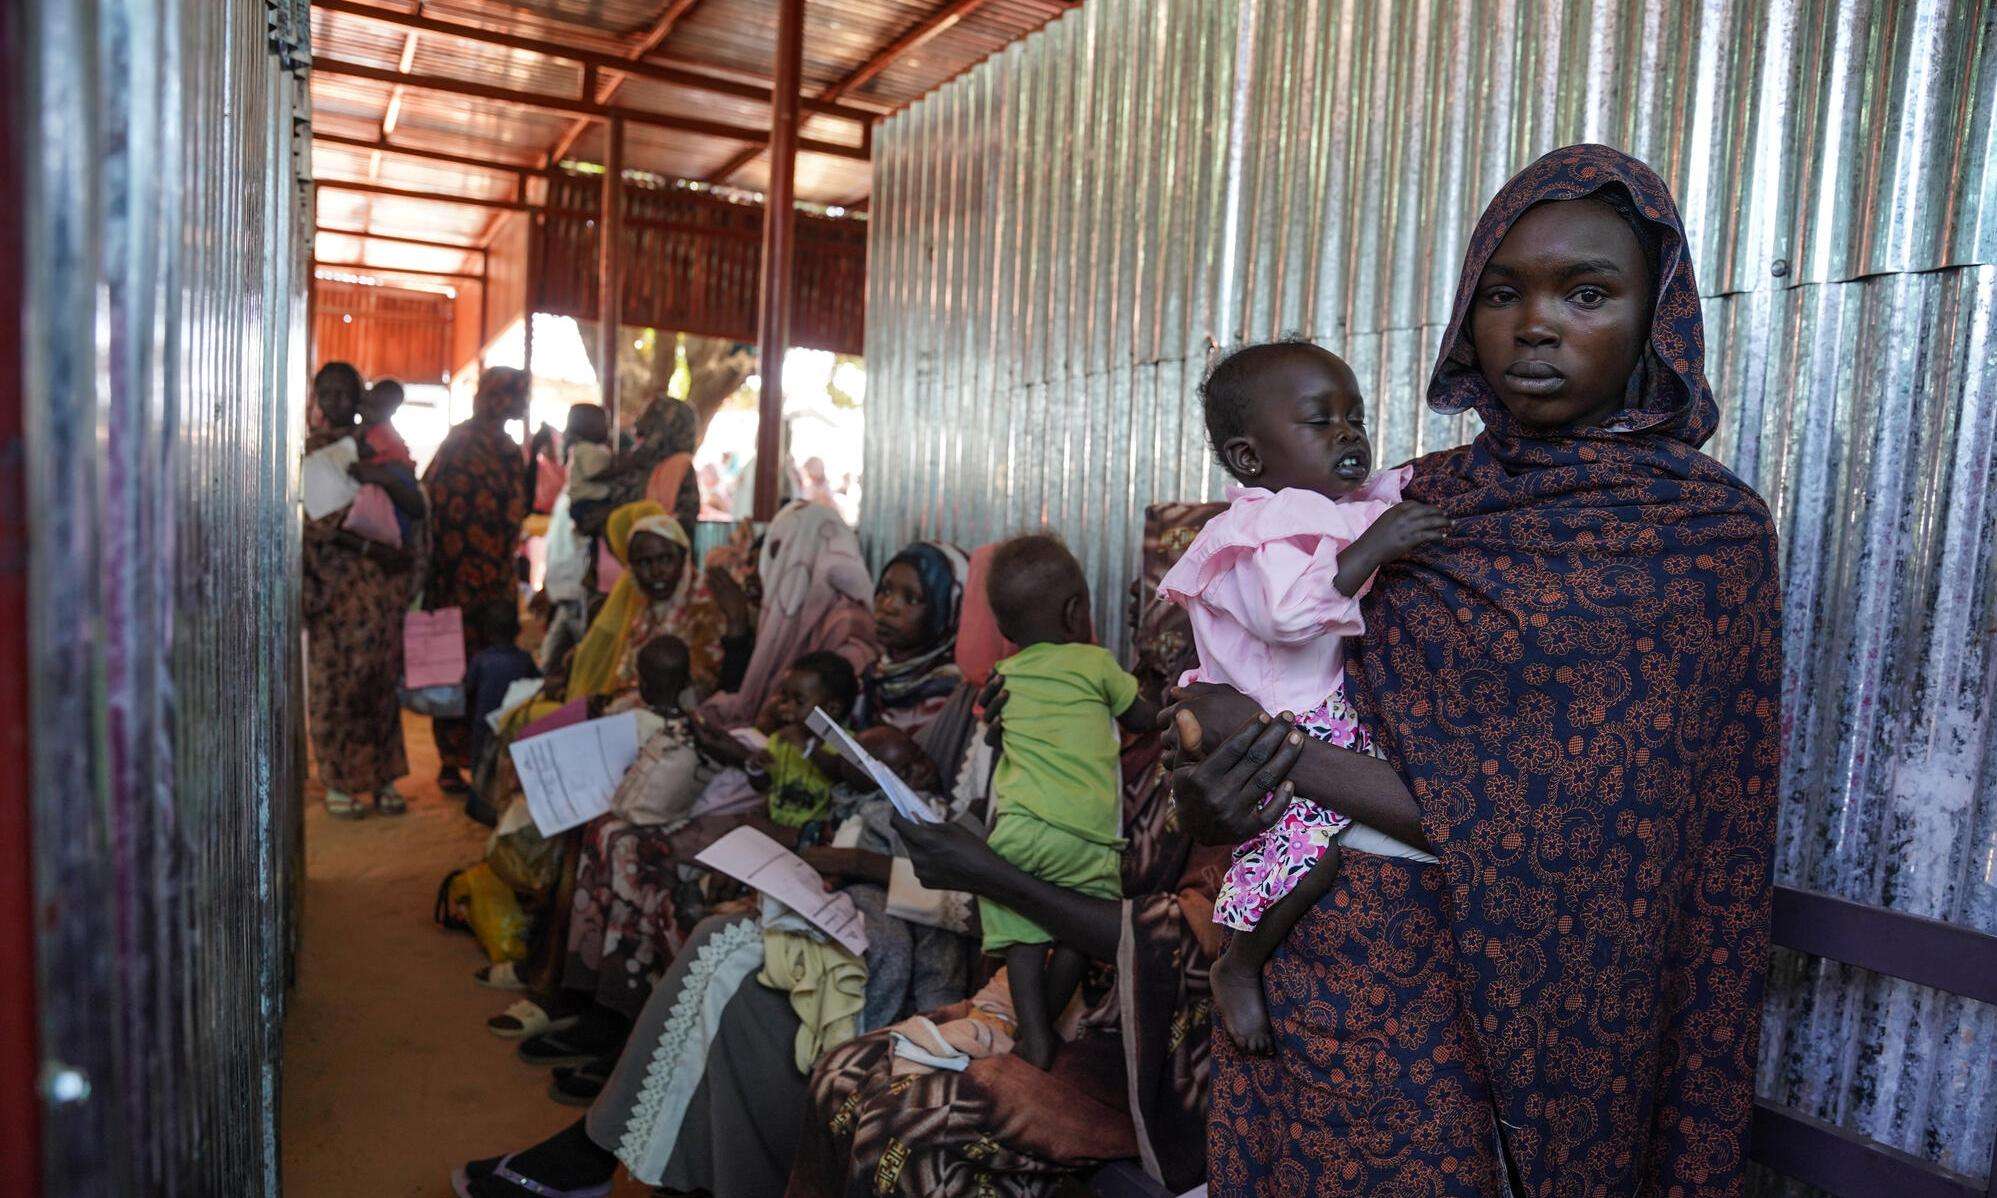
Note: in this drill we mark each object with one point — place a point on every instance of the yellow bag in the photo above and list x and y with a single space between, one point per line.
488 905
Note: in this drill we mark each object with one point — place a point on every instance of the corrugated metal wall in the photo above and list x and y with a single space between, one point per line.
164 346
1057 234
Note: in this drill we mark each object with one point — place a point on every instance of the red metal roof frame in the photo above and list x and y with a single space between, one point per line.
456 102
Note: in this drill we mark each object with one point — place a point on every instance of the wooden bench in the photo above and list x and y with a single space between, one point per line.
1926 952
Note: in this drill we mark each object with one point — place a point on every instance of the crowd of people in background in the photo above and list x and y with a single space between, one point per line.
1420 844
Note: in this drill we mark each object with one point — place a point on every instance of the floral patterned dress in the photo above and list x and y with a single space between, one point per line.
1268 866
477 487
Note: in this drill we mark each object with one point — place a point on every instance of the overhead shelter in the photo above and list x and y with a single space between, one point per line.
433 123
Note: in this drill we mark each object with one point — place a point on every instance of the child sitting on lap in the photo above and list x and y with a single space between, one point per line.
1056 789
1272 586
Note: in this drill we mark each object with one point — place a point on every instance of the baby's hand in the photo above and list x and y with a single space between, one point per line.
1405 527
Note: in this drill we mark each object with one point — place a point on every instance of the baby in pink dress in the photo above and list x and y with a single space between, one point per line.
1273 586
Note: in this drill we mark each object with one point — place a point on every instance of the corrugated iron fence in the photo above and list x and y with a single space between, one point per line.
163 341
693 264
1057 234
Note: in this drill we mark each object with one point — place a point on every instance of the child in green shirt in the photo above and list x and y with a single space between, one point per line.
1056 788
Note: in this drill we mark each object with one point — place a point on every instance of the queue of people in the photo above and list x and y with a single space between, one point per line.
1422 846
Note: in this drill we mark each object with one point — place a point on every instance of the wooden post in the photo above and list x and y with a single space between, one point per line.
533 292
610 267
779 227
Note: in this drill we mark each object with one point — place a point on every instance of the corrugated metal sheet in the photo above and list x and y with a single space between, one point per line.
1058 234
165 232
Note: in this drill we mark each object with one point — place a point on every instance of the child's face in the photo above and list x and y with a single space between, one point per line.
894 748
900 608
1306 428
1561 315
380 405
791 702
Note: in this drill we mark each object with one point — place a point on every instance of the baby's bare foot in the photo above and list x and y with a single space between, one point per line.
1237 991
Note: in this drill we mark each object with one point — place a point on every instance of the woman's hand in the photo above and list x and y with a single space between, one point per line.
1242 787
991 701
717 743
948 856
1213 705
731 601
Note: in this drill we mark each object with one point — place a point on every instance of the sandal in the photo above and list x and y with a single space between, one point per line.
551 1049
341 805
451 782
501 1170
580 1086
502 976
528 1018
389 801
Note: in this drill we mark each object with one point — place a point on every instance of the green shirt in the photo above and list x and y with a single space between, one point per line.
1061 758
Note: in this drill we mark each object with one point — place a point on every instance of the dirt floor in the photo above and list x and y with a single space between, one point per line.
390 1078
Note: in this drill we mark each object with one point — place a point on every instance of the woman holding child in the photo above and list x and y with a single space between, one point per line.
354 594
1576 695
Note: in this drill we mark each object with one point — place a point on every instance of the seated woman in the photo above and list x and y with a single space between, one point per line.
916 606
660 592
708 1097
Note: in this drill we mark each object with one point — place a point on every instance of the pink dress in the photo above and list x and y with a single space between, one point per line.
1267 620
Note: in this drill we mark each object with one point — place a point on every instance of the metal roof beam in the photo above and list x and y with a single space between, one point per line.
658 72
363 268
417 241
385 147
576 106
606 91
406 193
911 39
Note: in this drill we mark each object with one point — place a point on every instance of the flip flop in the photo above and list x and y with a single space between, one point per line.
341 805
549 1050
389 801
461 1182
502 976
528 1018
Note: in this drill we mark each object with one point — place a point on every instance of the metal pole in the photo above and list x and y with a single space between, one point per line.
779 225
533 292
610 266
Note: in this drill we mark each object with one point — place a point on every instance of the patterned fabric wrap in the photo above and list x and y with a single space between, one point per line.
1581 687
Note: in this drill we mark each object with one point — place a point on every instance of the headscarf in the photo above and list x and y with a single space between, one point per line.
1581 687
980 644
494 386
594 669
810 565
931 671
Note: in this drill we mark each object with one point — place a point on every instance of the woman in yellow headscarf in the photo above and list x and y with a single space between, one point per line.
659 592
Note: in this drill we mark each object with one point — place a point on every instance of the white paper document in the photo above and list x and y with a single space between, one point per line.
323 479
756 861
570 774
518 694
905 800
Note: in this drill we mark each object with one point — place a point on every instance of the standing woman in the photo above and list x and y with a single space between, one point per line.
355 591
1577 695
478 497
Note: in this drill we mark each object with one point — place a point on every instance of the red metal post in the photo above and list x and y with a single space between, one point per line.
20 1104
779 240
610 266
